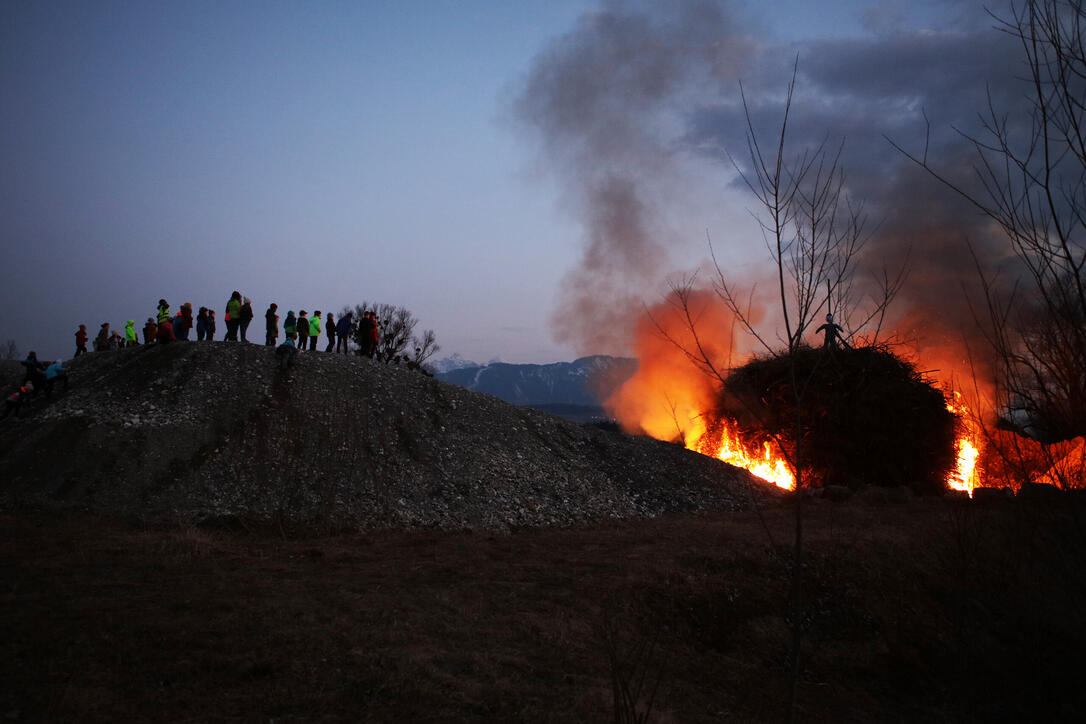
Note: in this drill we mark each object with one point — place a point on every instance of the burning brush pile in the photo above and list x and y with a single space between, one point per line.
857 416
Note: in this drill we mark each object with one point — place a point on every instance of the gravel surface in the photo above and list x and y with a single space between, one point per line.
213 431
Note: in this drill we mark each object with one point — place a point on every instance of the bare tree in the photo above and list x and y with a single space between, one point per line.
10 350
1032 184
396 334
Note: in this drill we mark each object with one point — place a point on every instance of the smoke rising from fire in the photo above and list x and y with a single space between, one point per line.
637 89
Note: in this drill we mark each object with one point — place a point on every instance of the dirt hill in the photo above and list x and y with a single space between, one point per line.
209 431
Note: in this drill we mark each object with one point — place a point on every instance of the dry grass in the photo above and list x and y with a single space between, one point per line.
923 611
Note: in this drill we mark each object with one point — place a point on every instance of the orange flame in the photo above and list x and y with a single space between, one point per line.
968 447
768 466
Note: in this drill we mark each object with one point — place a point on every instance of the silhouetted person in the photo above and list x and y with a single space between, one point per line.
246 318
150 329
833 334
302 328
330 325
201 324
101 342
210 324
81 340
271 325
343 332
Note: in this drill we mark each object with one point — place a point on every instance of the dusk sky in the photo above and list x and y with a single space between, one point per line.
448 156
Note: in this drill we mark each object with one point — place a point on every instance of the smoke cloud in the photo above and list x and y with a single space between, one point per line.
620 104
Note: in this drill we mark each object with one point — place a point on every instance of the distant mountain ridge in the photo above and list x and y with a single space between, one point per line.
586 382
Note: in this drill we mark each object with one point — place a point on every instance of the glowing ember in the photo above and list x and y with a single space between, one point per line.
767 466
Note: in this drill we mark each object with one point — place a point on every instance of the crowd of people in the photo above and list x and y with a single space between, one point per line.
301 332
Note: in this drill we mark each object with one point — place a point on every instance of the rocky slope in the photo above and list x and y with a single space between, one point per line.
198 431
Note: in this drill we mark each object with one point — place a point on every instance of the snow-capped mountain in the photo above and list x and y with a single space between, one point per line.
586 381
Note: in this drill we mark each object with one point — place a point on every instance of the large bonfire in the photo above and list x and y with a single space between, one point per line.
865 415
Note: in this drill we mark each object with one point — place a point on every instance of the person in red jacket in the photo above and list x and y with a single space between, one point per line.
150 331
81 340
165 332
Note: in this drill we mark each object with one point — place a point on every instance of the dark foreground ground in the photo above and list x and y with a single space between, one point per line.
923 611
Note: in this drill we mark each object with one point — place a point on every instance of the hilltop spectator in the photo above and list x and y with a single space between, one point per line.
314 330
165 334
330 323
246 317
53 373
290 324
370 336
101 342
343 332
130 339
210 324
233 316
181 331
285 353
163 311
116 341
150 329
201 324
177 326
81 340
271 325
14 401
302 327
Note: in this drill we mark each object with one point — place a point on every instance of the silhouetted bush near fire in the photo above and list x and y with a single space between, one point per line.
866 416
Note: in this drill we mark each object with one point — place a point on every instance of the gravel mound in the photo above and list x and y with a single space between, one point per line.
213 431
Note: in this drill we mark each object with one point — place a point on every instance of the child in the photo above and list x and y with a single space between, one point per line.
81 340
53 373
14 401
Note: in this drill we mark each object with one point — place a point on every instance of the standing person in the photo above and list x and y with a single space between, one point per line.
330 323
290 325
314 330
246 318
210 324
81 340
101 342
163 311
375 336
181 331
233 316
343 332
150 329
201 324
302 327
271 325
165 334
130 338
833 334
